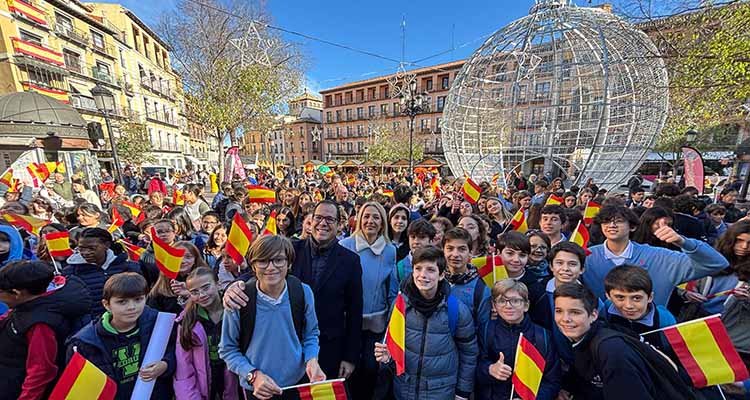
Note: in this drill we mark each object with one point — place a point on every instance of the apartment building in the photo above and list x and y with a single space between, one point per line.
352 112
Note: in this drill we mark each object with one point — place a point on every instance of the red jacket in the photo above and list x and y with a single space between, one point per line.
157 185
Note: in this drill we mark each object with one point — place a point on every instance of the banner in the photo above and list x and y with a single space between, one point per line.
233 165
693 162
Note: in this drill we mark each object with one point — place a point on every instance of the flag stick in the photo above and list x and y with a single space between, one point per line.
570 239
54 263
512 388
515 363
721 392
313 383
680 324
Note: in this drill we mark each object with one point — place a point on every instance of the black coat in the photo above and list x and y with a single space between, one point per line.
338 302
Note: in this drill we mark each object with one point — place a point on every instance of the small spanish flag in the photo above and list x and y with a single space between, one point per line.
261 194
117 221
7 178
590 212
39 171
81 379
689 286
329 390
30 224
471 191
135 211
58 244
528 370
495 178
271 224
239 239
705 350
395 337
309 168
490 269
518 223
388 192
168 258
435 185
178 198
553 199
134 252
580 236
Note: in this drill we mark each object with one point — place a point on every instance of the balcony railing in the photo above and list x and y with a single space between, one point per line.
102 48
71 33
101 75
81 102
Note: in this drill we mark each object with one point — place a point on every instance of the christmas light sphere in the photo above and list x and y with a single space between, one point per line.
565 91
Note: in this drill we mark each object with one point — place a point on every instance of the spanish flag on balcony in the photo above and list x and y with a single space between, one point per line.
168 258
27 10
395 336
56 94
239 239
471 191
528 370
590 212
261 194
490 269
58 244
705 350
38 51
553 199
83 380
518 223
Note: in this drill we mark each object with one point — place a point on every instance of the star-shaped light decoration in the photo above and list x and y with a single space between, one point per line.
316 132
256 47
527 63
400 82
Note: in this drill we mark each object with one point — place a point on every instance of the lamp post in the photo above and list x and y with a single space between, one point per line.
412 103
690 137
105 101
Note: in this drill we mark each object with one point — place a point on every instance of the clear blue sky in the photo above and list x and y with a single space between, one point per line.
375 26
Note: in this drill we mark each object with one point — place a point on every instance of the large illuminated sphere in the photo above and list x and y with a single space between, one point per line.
566 91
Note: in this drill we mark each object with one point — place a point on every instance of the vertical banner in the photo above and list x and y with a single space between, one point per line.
693 162
233 165
157 345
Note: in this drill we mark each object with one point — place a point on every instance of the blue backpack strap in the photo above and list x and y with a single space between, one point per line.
452 313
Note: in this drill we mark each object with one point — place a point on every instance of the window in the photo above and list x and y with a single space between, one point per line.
338 132
348 131
349 114
291 147
348 97
30 37
102 70
72 60
122 59
424 124
97 39
328 133
360 112
359 130
338 147
440 103
360 95
329 117
541 91
396 109
330 147
136 35
371 111
437 125
428 84
145 47
338 115
384 109
360 147
63 23
522 93
444 82
349 147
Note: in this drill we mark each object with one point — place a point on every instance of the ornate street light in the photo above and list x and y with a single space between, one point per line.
105 103
412 103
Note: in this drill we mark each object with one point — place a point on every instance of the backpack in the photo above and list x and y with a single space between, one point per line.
221 207
662 371
247 314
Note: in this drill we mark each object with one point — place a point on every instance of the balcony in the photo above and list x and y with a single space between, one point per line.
37 51
56 94
29 12
74 66
72 34
101 48
83 103
102 75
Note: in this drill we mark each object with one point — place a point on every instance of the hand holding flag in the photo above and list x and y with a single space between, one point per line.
168 258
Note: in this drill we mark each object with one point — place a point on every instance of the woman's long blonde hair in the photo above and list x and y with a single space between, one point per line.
383 219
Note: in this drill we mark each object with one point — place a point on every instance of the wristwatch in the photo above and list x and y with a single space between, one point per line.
251 376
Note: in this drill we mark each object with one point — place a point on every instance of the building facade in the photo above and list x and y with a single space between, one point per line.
354 111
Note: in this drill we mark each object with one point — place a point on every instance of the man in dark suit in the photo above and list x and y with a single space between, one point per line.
335 275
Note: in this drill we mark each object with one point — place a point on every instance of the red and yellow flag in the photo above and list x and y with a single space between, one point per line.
495 178
388 192
39 171
134 252
309 168
239 239
435 185
168 258
395 337
706 351
518 223
58 244
117 221
261 194
528 370
471 191
553 199
7 178
333 390
83 380
580 236
490 269
135 211
178 198
591 210
271 224
30 224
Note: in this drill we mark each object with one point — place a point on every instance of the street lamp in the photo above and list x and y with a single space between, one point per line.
413 103
105 101
690 136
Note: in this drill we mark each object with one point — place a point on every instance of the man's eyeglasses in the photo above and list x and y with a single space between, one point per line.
277 262
513 301
321 218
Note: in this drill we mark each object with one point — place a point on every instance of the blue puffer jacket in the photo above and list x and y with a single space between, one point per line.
438 365
94 276
500 337
15 252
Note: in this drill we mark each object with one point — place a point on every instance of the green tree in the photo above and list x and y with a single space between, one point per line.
390 145
134 145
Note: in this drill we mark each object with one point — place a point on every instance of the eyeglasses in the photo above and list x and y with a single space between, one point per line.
277 262
538 247
615 221
201 290
321 218
513 301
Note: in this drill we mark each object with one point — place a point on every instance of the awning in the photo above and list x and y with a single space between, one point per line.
17 141
193 160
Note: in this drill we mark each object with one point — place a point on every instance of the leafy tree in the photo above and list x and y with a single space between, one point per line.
391 144
134 145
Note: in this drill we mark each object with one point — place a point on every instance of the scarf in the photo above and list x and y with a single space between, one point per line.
424 306
361 243
462 278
